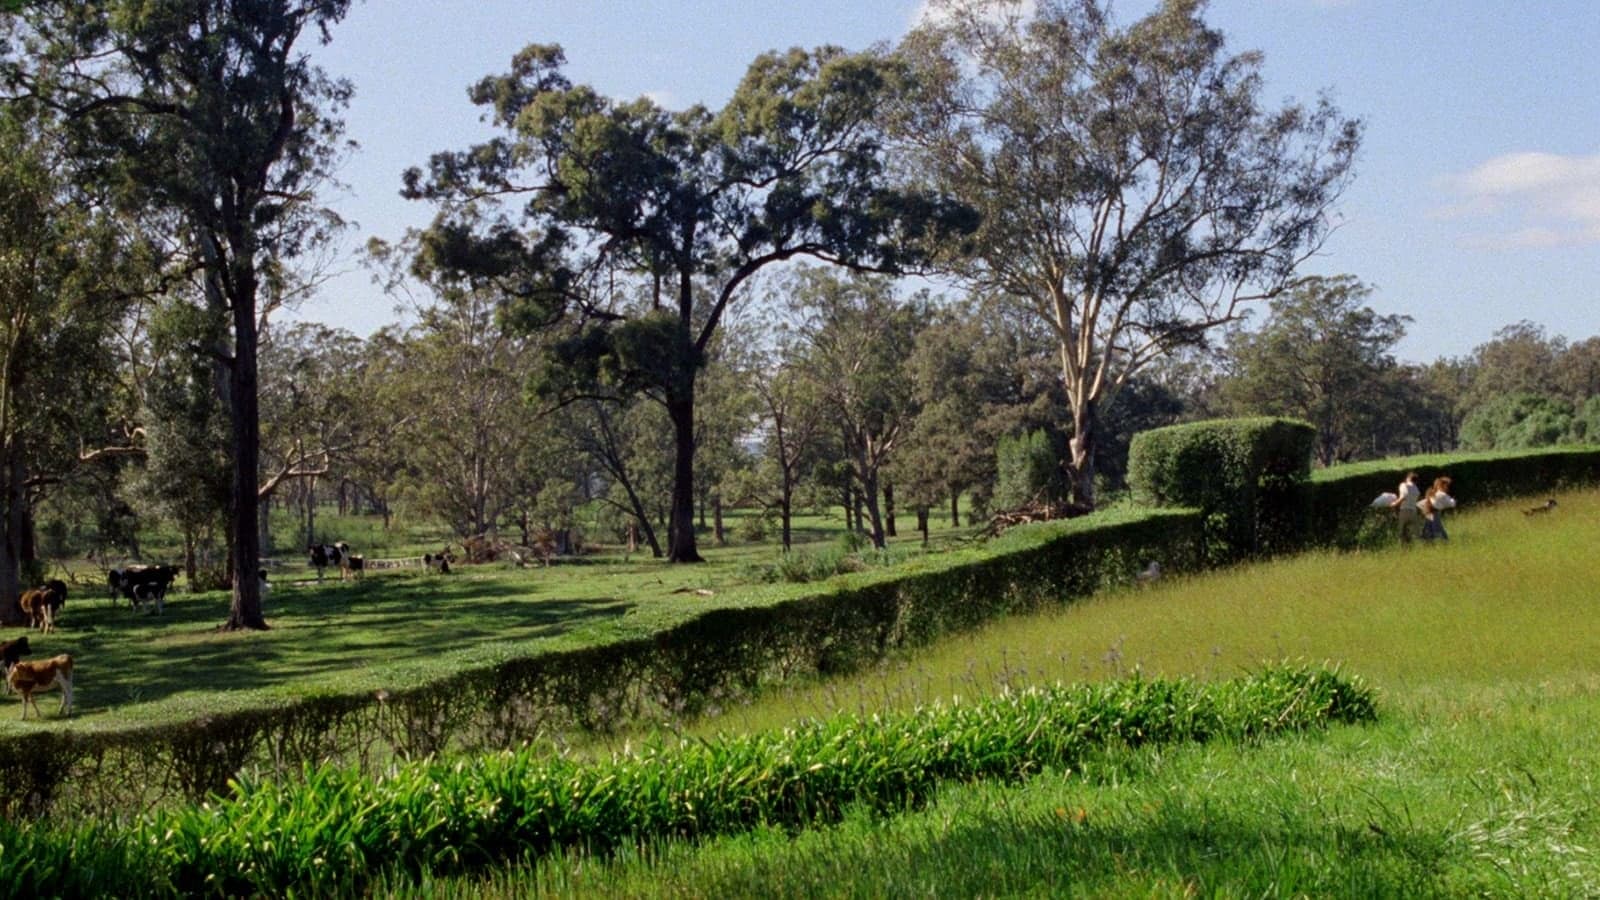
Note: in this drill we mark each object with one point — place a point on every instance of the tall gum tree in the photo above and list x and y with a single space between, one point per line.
586 203
1135 193
204 110
67 267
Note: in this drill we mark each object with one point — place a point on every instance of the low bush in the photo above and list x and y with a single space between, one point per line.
331 831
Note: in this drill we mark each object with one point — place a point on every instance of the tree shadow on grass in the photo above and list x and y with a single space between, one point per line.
1158 853
123 658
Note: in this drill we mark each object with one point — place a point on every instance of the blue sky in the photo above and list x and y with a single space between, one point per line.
1476 202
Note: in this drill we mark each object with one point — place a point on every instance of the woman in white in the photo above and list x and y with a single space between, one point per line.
1433 505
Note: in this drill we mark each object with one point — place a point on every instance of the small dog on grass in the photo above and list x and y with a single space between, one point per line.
1541 508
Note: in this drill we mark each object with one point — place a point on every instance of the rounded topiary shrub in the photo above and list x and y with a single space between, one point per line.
1245 475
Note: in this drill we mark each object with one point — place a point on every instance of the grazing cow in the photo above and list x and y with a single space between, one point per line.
325 555
354 566
142 584
437 562
42 604
266 586
28 677
10 653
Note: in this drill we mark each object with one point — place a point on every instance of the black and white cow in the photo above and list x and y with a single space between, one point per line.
322 556
325 555
142 584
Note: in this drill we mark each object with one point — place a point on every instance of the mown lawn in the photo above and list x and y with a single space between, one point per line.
1481 779
391 629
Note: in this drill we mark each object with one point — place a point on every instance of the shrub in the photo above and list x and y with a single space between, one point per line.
327 833
1242 474
801 567
753 529
1518 421
1028 470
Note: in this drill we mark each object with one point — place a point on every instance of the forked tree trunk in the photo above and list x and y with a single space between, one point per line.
869 492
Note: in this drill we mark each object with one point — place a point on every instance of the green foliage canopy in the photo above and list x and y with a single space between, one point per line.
637 227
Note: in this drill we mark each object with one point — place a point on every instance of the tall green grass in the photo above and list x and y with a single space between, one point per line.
329 832
1505 603
1482 778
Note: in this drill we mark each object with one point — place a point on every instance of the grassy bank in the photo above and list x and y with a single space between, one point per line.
391 630
1478 781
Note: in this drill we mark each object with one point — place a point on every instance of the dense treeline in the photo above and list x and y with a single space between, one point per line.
627 319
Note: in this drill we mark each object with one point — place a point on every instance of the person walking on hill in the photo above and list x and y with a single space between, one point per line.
1408 495
1433 505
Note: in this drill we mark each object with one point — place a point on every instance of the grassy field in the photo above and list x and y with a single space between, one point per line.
391 629
1479 780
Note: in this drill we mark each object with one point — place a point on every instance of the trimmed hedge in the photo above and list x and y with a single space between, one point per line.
718 656
334 830
1337 499
1242 474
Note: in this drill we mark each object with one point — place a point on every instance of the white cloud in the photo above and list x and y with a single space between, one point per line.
665 99
1532 200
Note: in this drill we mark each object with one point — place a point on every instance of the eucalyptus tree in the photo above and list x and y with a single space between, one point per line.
67 266
210 112
1324 356
1520 358
724 417
980 373
467 424
617 200
187 476
378 464
625 439
314 409
1135 191
792 415
857 335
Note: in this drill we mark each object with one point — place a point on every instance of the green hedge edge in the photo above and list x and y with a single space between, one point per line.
717 656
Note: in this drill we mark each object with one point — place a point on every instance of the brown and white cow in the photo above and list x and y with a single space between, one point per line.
28 677
42 604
